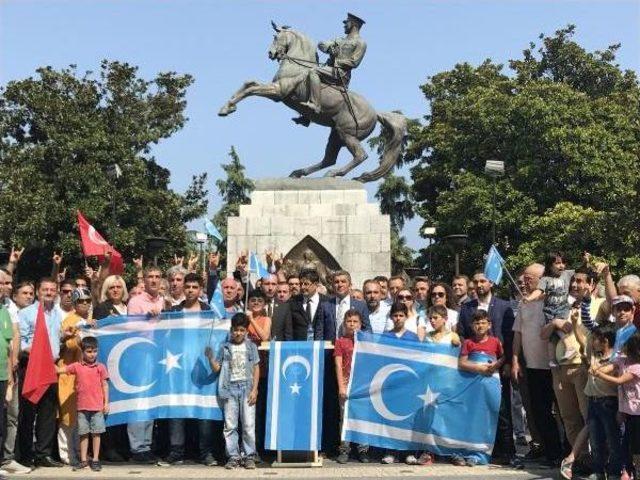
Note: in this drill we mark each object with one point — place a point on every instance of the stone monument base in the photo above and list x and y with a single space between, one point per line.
331 217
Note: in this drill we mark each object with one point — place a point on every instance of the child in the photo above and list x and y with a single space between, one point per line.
440 333
627 379
92 400
555 288
342 353
399 314
482 343
238 390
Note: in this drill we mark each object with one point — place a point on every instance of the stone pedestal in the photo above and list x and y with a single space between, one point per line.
335 213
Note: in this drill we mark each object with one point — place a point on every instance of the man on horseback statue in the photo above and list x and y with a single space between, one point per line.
345 54
298 84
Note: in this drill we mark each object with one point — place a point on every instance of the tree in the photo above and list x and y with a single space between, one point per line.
394 195
566 123
234 191
60 133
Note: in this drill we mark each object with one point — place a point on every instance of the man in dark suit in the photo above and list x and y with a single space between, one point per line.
502 318
280 313
327 327
305 307
333 309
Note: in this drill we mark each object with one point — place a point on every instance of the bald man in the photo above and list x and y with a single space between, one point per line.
536 373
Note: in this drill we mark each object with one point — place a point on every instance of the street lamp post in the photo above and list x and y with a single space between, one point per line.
430 233
458 242
114 172
494 169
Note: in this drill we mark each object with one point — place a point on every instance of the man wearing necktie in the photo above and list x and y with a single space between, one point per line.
280 313
305 306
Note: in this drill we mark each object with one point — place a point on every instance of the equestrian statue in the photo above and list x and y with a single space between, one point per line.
320 94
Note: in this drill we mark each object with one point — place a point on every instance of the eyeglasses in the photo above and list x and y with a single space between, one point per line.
66 292
83 300
438 294
404 297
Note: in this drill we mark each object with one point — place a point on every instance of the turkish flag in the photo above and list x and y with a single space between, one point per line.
94 244
40 370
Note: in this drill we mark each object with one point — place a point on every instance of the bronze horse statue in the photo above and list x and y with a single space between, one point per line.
351 119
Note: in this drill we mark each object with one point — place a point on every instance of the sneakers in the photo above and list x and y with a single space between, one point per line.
458 461
516 463
80 466
209 460
232 463
171 460
95 465
363 457
471 461
411 460
388 459
425 459
249 463
342 458
15 468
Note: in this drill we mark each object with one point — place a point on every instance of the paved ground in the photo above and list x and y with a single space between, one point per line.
330 470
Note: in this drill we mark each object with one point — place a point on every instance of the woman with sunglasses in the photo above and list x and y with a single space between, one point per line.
70 352
441 294
415 323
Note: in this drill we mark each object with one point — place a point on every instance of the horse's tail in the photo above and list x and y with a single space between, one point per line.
394 131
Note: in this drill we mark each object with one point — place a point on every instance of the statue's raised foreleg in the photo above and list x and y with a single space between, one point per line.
330 156
248 89
359 156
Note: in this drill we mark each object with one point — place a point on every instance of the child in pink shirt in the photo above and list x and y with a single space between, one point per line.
92 400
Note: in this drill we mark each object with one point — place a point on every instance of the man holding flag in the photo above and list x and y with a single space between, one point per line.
40 344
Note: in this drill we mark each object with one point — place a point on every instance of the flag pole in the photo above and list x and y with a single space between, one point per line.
515 284
246 290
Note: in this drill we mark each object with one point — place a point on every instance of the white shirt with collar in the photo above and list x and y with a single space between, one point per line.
341 308
485 305
378 319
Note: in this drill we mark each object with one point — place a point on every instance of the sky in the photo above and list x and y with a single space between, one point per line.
224 43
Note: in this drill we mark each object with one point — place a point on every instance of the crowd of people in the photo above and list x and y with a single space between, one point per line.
563 344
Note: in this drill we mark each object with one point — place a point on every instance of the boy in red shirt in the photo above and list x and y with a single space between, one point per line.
343 353
92 400
482 343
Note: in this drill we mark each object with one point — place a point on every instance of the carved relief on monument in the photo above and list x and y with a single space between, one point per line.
309 254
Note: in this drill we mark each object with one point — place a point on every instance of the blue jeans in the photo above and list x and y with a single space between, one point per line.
140 436
605 435
236 408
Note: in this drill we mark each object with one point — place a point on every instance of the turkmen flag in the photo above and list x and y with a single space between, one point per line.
294 403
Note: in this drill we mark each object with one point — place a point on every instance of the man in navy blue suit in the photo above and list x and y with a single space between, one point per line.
502 318
333 309
327 327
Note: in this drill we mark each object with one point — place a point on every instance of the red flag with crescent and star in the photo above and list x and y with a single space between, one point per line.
94 244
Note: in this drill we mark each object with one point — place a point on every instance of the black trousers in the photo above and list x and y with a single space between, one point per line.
330 407
43 414
540 385
504 445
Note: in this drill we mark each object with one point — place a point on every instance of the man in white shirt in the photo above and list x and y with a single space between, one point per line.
378 310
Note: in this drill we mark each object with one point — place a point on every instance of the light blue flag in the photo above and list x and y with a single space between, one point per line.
408 395
294 402
255 266
493 265
217 302
157 368
211 229
622 336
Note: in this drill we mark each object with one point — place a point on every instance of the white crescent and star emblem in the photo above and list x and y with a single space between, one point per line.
95 237
375 390
295 388
113 365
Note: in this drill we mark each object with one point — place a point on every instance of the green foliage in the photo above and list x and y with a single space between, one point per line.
61 131
567 126
234 191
